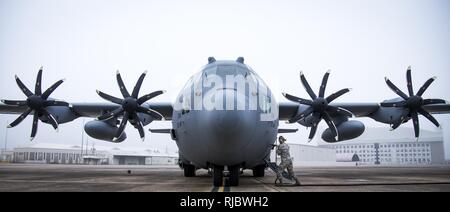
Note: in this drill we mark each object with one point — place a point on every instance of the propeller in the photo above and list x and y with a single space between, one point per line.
36 102
412 103
319 106
130 105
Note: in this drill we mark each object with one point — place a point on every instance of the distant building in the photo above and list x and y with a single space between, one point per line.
6 156
307 155
347 157
47 153
381 146
70 154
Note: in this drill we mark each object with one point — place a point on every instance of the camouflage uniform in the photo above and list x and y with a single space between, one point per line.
286 162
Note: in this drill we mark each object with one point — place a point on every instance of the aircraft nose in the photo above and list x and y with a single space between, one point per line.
226 122
230 130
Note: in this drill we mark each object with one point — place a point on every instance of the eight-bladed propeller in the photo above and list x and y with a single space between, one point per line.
36 102
412 104
130 106
319 106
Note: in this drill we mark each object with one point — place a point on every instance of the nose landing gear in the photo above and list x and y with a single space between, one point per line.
217 176
234 175
233 178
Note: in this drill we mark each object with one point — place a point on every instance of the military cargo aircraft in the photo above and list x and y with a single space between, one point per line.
226 117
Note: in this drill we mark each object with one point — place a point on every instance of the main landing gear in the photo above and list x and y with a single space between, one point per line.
258 171
189 170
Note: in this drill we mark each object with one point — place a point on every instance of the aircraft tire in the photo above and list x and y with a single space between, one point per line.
189 170
218 176
234 175
258 171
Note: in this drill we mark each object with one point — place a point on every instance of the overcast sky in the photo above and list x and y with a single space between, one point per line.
86 41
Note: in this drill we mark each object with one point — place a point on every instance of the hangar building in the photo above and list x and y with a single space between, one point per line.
398 147
72 154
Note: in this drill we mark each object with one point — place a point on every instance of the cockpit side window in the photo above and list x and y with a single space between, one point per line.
264 97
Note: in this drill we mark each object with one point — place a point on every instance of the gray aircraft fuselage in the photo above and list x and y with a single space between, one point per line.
223 137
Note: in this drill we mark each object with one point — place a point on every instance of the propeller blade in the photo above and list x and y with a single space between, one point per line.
425 86
312 133
336 95
22 87
393 104
409 81
434 101
55 103
122 87
110 98
139 126
297 99
324 84
52 88
429 117
20 118
395 89
301 115
122 126
339 110
110 115
307 87
14 102
149 96
34 126
153 113
50 119
331 125
415 119
38 86
138 85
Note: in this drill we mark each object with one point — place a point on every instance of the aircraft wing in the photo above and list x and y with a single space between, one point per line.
288 110
91 110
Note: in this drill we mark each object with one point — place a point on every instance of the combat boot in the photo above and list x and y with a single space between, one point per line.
297 182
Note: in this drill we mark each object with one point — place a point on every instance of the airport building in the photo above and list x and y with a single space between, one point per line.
398 147
307 155
5 156
100 155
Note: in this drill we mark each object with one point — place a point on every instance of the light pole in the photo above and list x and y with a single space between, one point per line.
6 136
87 145
82 140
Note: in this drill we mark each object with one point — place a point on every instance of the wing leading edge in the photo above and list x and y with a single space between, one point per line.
91 110
288 110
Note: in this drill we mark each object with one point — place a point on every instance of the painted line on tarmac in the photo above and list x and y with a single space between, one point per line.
224 188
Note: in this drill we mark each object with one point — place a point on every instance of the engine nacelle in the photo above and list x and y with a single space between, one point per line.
346 130
103 131
61 114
